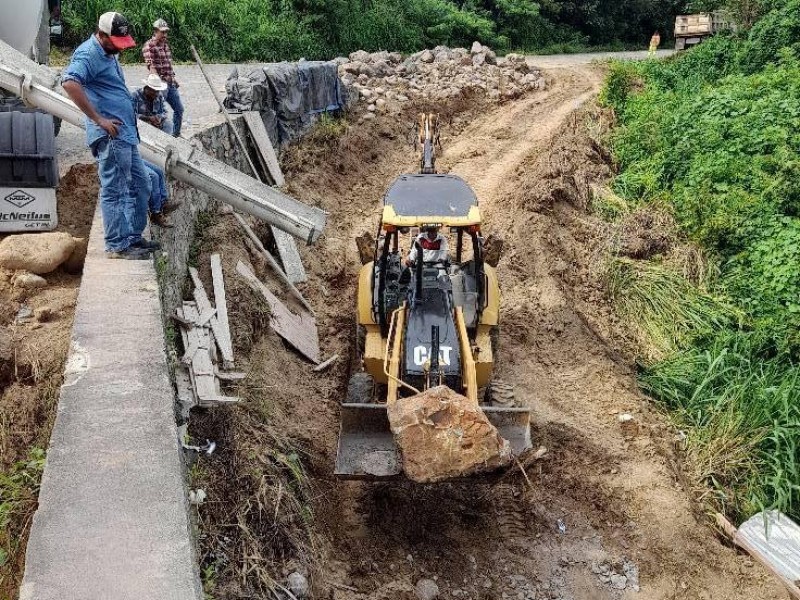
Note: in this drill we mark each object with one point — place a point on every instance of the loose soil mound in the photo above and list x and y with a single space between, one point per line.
601 514
32 355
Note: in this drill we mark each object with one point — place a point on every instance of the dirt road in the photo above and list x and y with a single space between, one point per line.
603 516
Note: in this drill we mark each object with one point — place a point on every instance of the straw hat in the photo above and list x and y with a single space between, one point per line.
153 81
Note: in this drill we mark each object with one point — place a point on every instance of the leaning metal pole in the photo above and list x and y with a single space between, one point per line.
39 87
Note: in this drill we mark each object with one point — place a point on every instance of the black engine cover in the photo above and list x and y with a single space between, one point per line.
432 309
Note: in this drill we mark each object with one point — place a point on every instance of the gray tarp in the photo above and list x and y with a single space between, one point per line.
288 95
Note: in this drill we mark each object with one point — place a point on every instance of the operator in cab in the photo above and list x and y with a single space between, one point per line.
434 248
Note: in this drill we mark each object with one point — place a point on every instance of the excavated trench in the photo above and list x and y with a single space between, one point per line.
35 329
600 516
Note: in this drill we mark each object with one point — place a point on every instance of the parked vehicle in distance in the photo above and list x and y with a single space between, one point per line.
691 30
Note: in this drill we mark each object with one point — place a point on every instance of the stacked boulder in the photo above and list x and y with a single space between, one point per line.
385 79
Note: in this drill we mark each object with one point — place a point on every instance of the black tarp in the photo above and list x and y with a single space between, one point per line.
288 95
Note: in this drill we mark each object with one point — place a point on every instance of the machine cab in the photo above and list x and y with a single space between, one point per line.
412 203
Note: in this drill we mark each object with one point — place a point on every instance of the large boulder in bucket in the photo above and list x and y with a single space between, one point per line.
443 435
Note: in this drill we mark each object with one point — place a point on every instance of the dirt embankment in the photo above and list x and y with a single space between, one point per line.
602 516
35 331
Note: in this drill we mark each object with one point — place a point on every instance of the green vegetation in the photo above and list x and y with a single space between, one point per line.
19 489
714 136
244 30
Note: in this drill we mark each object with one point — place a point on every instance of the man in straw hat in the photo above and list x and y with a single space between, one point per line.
95 82
148 103
158 58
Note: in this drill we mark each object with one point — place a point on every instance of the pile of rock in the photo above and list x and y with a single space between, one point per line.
383 79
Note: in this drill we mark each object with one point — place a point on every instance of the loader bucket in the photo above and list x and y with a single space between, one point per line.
367 448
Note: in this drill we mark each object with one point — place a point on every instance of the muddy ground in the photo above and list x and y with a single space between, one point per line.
605 502
35 332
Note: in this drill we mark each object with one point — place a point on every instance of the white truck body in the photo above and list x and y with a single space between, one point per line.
25 26
20 21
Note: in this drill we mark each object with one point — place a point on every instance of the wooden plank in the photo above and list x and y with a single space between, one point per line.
774 539
201 368
204 304
203 320
231 375
299 331
220 300
290 256
218 400
272 262
324 365
266 151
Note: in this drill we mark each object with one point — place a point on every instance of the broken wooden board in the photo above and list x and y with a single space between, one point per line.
201 368
220 301
202 388
204 305
775 538
289 255
259 246
264 148
299 331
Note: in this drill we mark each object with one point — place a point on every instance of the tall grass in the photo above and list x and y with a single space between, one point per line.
666 311
739 402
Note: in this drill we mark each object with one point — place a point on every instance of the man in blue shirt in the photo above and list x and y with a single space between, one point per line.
95 82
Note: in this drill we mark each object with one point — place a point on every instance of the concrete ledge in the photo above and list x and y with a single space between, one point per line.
113 517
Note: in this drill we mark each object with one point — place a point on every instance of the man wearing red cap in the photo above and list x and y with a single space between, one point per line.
95 82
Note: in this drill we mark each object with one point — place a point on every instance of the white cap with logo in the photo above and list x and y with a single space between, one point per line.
161 25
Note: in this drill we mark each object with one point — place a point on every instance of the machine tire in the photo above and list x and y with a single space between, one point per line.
500 394
360 388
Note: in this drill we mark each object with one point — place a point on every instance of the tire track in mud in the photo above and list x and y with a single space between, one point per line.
614 493
609 486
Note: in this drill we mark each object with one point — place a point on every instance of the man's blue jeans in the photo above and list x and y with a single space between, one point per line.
124 192
173 98
159 192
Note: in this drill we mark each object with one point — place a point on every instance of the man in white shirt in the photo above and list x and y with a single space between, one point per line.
434 247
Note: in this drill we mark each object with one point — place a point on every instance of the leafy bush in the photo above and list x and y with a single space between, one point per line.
777 30
713 134
265 30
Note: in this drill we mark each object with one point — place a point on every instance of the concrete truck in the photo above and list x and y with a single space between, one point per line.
28 166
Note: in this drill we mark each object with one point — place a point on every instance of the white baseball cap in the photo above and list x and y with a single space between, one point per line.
161 25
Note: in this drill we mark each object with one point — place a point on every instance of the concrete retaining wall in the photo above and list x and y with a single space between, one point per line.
218 141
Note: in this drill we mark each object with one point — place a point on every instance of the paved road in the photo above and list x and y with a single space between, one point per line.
201 108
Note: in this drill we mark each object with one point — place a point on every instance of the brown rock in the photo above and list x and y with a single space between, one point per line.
37 253
366 248
43 314
493 250
443 435
28 281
